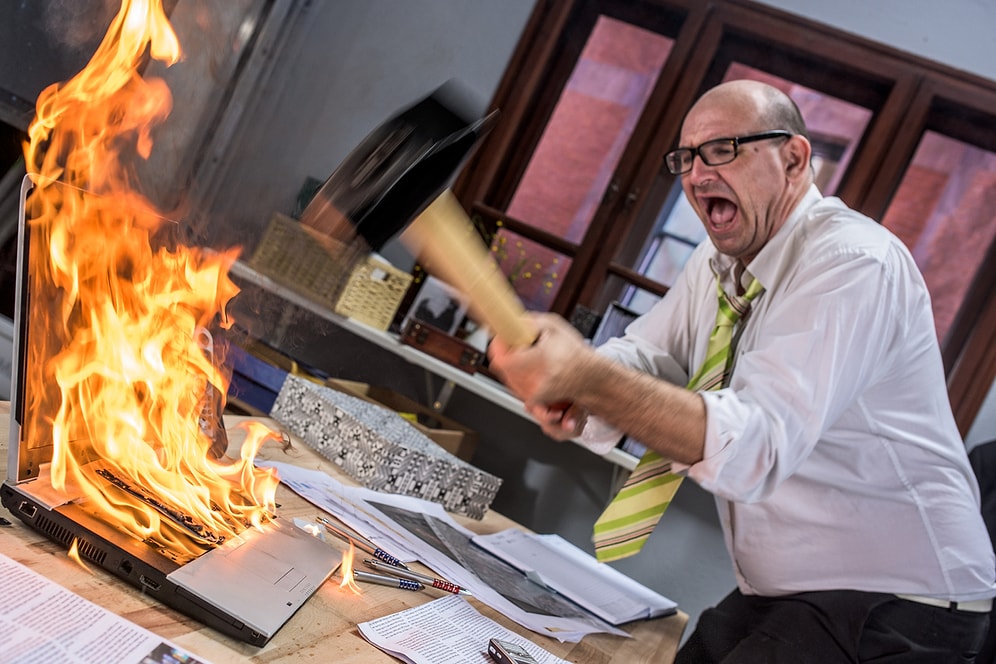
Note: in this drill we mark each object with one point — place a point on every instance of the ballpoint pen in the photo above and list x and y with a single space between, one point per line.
360 541
392 581
411 575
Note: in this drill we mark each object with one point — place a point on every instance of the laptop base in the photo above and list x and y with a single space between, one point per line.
135 562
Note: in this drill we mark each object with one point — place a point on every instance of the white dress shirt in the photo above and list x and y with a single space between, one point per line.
833 453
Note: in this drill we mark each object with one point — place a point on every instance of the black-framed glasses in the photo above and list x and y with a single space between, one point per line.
716 152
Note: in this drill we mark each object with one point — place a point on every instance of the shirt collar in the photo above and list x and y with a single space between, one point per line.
765 264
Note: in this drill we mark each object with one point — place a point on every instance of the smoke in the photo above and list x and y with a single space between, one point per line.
76 24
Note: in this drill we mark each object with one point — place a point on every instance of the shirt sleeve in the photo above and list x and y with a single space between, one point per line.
599 436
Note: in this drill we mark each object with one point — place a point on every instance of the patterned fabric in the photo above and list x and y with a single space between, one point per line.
627 522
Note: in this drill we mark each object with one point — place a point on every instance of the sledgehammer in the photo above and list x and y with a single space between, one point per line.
396 179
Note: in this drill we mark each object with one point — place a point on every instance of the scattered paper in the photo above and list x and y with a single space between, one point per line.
554 562
444 631
343 502
42 622
422 530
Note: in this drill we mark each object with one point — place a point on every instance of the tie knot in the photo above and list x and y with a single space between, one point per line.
735 307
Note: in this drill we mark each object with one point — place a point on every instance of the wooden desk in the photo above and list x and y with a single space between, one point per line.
324 629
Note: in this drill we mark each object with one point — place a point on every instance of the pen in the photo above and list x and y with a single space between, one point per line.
411 575
393 581
360 541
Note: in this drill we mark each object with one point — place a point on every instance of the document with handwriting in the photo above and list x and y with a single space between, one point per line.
444 631
552 561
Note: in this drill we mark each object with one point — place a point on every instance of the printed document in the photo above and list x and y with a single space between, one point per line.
445 631
555 563
41 622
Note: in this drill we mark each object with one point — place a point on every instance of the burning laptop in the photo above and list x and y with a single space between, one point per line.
117 446
236 569
117 449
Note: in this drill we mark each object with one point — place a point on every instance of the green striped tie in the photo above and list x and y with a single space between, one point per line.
633 514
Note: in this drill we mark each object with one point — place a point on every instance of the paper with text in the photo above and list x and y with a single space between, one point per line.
556 563
444 631
41 622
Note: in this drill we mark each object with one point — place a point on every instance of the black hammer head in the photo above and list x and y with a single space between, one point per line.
399 168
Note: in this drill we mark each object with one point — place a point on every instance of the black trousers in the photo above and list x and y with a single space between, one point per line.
833 626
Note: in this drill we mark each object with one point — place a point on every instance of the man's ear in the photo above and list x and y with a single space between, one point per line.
798 153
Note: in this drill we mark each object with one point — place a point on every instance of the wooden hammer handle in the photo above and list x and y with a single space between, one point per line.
447 245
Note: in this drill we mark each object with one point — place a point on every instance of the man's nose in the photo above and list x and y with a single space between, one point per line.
700 171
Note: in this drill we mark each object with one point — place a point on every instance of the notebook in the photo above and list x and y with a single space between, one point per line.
247 587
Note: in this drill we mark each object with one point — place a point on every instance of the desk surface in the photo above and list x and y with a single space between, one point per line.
324 629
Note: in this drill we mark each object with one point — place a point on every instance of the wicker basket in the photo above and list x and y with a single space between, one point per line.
373 293
341 276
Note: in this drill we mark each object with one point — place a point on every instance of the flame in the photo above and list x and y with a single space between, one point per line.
122 358
346 568
74 553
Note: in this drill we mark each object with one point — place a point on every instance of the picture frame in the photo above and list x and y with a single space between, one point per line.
486 226
438 304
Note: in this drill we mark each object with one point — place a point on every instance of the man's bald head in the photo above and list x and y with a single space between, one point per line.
771 108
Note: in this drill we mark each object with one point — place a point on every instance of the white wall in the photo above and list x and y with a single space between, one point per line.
351 65
957 33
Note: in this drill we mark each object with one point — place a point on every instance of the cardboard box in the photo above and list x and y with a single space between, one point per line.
449 434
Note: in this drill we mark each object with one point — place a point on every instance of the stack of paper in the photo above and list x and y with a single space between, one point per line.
552 561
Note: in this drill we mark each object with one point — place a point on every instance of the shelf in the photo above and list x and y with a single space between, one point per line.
478 384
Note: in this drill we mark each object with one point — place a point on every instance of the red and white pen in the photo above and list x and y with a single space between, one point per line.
441 584
362 542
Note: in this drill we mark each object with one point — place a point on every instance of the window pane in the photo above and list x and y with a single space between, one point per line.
668 259
590 126
943 210
631 297
535 271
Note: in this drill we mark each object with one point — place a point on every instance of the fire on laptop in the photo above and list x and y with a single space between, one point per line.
117 444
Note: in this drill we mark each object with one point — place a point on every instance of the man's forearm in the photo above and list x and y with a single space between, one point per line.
663 416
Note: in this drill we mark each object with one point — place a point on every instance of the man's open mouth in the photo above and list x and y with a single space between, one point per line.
719 211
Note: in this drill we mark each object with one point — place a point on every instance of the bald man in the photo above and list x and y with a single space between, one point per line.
847 502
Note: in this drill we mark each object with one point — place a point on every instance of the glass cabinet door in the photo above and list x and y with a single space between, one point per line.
944 209
570 170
